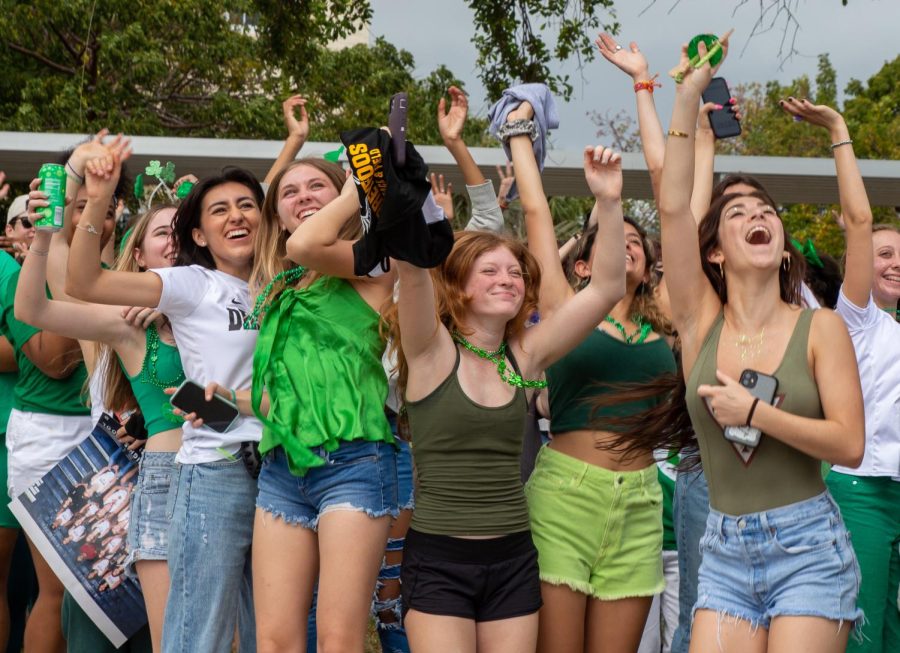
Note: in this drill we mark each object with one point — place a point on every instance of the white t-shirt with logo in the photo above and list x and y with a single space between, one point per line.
876 339
207 310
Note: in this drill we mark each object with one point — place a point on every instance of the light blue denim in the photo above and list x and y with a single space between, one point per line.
211 507
795 560
691 508
148 527
358 475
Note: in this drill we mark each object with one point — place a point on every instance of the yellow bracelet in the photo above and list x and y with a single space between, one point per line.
675 132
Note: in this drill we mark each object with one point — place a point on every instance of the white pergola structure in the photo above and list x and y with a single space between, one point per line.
788 179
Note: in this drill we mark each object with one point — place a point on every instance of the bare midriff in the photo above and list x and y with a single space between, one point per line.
165 441
581 444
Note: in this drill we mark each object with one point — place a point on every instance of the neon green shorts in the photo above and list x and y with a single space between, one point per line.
597 531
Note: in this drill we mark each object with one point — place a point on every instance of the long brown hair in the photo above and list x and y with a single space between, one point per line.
270 247
117 392
644 301
668 425
451 301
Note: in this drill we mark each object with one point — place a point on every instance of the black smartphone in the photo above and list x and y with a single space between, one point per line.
218 414
723 121
397 125
763 387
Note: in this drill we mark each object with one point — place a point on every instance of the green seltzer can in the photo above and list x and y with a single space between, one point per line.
53 183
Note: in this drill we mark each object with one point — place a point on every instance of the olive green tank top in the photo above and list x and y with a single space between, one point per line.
467 462
161 369
744 480
319 355
599 362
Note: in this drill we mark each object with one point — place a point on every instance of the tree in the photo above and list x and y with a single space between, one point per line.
512 35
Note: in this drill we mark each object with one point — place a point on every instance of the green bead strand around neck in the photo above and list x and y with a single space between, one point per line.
643 330
499 359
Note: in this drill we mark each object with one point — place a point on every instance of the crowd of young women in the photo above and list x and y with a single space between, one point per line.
251 293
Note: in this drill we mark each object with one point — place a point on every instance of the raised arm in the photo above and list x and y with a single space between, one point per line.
85 279
555 287
297 133
69 319
316 244
855 208
632 62
560 332
427 345
694 302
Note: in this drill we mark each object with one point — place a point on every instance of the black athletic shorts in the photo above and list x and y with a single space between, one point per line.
484 580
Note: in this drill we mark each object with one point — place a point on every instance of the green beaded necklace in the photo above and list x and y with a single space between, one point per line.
643 330
251 322
149 370
499 359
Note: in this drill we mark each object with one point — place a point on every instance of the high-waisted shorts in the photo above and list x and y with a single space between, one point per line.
482 580
597 531
795 560
359 476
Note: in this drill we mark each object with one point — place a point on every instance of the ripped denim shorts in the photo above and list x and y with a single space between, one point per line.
795 560
358 476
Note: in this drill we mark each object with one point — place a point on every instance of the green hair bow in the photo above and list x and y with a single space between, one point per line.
808 249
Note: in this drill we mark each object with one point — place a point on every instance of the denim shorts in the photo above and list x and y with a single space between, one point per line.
406 495
597 531
148 528
795 560
358 475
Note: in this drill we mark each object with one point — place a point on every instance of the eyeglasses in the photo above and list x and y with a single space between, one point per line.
24 221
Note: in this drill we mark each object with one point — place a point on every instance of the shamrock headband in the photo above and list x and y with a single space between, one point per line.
166 177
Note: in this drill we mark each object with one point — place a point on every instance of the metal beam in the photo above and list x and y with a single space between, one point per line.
788 179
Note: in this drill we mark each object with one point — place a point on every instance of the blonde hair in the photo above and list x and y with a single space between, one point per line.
117 392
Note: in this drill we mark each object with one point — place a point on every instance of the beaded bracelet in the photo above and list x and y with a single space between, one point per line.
517 128
849 141
647 85
675 132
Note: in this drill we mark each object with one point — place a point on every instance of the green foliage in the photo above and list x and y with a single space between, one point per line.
512 38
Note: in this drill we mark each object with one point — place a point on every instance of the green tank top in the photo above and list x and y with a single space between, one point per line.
319 356
467 463
743 480
598 362
161 369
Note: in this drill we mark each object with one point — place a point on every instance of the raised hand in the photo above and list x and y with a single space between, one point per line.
443 195
815 114
631 61
297 129
87 151
102 172
4 187
452 121
603 172
698 78
507 179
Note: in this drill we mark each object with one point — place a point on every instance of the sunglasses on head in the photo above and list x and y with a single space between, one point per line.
24 221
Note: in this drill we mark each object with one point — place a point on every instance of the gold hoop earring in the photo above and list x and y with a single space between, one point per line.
786 263
721 271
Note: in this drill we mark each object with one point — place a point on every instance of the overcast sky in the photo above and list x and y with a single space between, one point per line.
859 38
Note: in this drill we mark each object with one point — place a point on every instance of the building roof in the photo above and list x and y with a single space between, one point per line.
788 179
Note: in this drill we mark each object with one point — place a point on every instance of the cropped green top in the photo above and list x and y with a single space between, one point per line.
161 369
468 480
319 356
601 361
774 474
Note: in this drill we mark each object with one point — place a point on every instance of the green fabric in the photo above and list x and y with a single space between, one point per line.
35 391
667 472
777 474
82 636
870 506
319 356
153 402
467 463
599 360
8 267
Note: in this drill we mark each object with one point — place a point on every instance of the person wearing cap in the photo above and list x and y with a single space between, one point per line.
19 227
